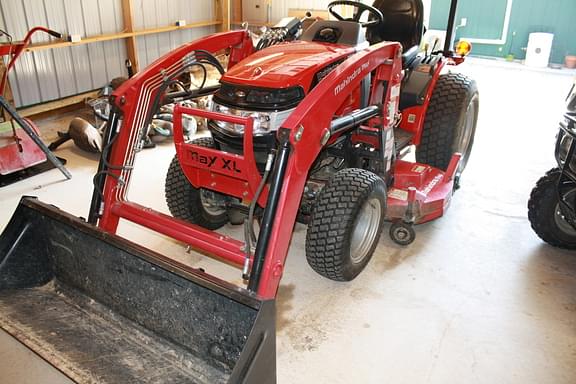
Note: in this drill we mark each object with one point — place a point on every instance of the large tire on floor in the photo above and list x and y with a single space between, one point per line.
450 122
197 206
346 223
544 212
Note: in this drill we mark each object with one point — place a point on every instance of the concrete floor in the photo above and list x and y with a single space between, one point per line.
477 298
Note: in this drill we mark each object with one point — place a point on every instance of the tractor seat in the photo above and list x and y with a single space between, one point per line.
335 32
403 22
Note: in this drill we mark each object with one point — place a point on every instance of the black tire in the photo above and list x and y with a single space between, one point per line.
450 122
544 214
186 202
333 246
402 233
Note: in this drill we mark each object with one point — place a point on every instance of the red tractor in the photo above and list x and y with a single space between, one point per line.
315 129
311 127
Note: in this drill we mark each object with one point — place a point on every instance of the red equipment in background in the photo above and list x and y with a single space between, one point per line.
21 148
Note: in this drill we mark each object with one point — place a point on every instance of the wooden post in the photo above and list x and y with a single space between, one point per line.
7 92
131 45
222 12
236 12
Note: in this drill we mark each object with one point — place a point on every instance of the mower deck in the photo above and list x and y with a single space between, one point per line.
23 159
20 153
420 193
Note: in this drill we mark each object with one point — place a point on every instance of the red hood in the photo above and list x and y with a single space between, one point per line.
285 65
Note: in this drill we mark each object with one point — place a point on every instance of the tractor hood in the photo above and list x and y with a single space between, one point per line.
286 65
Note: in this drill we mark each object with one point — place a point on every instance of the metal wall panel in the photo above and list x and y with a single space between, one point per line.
80 57
43 60
63 60
96 55
12 75
158 13
110 12
24 69
51 74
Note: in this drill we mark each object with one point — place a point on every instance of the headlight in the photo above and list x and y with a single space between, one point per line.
264 122
259 98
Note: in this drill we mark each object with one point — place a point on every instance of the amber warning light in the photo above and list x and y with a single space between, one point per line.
463 48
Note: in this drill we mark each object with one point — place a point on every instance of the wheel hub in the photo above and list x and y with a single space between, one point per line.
365 230
401 233
562 223
212 203
465 136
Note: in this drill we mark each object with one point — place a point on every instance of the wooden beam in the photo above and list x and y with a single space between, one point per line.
117 36
131 44
56 104
222 13
236 11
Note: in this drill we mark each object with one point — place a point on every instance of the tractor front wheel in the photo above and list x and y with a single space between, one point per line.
346 223
545 215
450 122
198 206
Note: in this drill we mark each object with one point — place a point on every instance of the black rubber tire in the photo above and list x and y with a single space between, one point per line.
402 233
446 118
333 219
184 200
542 208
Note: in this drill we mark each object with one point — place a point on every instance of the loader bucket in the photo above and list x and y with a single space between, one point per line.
102 309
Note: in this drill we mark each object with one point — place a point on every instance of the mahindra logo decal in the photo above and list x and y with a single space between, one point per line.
340 87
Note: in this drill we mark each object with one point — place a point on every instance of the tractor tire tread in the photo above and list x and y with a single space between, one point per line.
451 90
181 196
333 218
539 213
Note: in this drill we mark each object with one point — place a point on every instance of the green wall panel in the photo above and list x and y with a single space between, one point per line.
485 21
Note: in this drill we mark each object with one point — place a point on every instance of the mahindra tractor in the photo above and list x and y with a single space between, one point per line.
343 174
316 125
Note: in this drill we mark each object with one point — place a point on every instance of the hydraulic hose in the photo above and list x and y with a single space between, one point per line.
249 235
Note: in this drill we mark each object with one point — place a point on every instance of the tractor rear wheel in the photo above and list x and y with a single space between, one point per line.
198 206
346 223
545 215
450 122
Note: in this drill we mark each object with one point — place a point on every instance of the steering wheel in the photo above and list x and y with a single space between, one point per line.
374 12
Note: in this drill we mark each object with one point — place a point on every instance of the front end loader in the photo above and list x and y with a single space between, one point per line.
310 126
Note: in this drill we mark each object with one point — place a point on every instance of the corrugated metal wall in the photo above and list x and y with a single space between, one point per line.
159 13
55 73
